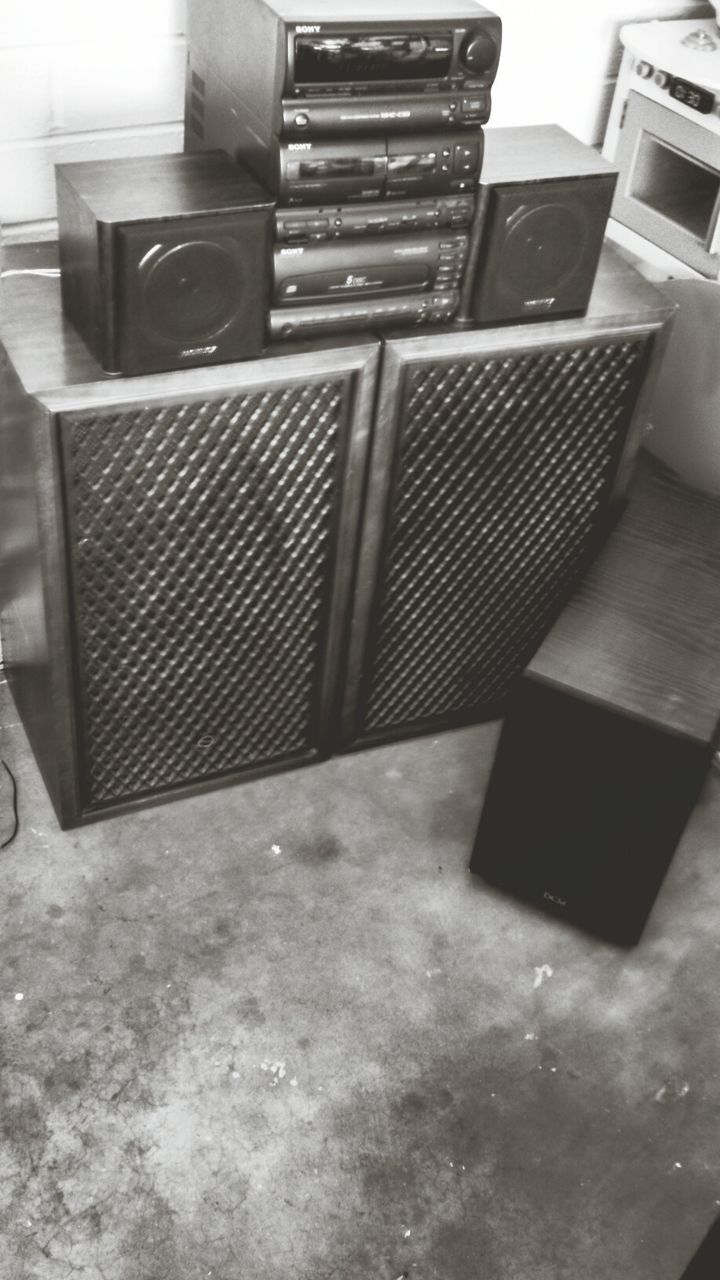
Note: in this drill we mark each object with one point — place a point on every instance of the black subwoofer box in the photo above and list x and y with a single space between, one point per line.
706 1262
165 260
543 206
585 808
611 731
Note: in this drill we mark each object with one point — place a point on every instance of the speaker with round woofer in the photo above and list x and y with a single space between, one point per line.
165 260
542 210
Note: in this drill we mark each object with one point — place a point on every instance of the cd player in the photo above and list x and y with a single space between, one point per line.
366 283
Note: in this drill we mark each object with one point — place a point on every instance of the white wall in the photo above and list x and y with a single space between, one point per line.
80 79
84 78
560 58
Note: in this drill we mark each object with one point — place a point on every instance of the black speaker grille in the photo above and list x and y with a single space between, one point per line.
504 466
201 543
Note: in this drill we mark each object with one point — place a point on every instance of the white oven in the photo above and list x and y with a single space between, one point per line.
664 137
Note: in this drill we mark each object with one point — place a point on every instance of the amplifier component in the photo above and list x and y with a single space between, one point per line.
350 116
289 72
327 222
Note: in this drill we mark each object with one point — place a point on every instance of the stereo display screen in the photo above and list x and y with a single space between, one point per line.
337 168
362 58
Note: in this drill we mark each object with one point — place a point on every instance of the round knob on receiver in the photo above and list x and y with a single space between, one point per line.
478 51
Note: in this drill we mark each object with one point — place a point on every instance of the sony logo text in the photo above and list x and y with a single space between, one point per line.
551 897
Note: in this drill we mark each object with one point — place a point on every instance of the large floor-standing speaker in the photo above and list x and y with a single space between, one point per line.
610 732
165 259
543 204
499 460
176 553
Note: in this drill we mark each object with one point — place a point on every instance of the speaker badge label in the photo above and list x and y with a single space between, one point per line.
189 352
552 897
538 304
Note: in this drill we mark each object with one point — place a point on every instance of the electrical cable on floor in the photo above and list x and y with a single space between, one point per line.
16 821
31 271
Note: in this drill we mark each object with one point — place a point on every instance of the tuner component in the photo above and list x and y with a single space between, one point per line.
335 222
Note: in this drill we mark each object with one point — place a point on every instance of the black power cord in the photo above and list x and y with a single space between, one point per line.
14 831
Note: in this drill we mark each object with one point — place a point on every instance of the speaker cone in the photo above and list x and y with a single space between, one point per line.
542 247
191 292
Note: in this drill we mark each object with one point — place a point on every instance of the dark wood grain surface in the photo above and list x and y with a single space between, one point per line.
544 151
163 186
642 633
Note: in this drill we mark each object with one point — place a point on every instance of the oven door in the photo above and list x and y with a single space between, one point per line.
669 185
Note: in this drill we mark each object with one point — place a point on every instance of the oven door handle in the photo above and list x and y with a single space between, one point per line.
713 240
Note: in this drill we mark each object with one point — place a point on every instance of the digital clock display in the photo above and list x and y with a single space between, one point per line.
692 95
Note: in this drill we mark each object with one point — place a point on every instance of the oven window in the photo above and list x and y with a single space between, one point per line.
675 185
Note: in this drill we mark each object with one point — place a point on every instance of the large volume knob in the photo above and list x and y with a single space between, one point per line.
478 51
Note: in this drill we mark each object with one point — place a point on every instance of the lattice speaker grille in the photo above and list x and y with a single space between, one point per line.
201 542
503 470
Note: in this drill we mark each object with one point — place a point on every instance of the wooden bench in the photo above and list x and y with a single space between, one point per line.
611 730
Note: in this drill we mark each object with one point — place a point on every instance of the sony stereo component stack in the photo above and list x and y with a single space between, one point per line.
342 118
164 260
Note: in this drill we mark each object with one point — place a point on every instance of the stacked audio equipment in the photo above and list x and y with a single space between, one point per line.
367 130
217 571
164 260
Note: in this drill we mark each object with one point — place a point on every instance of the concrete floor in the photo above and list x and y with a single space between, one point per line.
279 1032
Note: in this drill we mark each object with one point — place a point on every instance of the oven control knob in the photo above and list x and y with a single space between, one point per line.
662 79
644 70
478 51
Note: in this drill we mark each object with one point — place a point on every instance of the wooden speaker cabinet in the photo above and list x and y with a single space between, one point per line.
610 732
500 458
543 205
175 558
165 259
